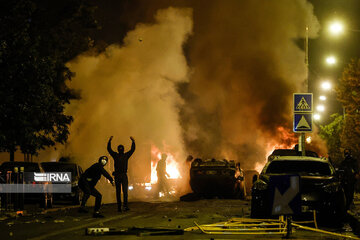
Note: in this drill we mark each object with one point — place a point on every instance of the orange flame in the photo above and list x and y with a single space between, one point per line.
172 167
285 140
288 140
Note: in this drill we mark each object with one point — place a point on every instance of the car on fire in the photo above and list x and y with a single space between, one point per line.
320 186
217 178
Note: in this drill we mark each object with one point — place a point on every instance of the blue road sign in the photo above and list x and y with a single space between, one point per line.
303 102
302 122
285 193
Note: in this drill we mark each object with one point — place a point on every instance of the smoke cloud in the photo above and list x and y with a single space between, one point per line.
130 90
246 66
207 78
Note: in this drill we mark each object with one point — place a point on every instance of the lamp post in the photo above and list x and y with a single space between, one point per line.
302 135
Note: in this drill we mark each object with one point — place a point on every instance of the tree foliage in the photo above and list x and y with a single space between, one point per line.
348 93
37 39
331 134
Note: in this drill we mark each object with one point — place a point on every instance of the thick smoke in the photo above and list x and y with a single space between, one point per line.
130 90
246 66
246 63
226 92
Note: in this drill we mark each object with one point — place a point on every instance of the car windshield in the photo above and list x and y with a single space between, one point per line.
58 167
299 167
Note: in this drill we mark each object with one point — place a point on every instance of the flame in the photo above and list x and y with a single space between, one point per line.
172 167
258 167
285 140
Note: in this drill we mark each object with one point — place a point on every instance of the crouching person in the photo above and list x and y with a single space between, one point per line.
88 181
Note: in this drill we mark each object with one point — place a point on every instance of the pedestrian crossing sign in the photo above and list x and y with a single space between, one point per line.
303 122
303 102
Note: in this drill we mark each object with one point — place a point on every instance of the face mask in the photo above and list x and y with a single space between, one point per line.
103 162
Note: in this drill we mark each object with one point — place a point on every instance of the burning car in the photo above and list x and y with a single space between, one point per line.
320 187
219 178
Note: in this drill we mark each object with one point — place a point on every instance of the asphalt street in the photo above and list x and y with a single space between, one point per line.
64 222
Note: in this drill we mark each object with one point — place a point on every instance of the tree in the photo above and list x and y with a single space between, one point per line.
331 134
348 93
37 39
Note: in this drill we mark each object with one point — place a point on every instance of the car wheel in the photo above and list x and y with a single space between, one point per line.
257 211
43 201
77 198
335 216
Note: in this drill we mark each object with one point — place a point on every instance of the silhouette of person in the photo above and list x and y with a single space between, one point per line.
87 183
121 165
162 174
350 167
239 189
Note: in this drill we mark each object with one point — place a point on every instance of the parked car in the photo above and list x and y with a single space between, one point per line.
44 199
291 152
76 194
219 178
320 187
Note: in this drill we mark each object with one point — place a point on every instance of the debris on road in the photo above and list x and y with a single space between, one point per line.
133 231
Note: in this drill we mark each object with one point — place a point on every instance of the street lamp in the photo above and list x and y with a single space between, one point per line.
320 108
336 28
317 116
326 85
330 60
322 98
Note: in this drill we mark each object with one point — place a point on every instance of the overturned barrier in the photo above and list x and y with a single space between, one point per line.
283 226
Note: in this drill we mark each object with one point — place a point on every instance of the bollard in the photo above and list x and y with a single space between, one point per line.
21 194
8 195
16 181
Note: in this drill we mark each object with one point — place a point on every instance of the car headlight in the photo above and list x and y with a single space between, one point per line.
260 185
332 187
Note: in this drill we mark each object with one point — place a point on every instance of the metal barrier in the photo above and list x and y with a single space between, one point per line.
247 226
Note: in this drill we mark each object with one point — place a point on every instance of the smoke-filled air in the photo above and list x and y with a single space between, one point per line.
213 79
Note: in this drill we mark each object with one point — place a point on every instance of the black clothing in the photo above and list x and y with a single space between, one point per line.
350 168
121 166
93 174
88 190
121 159
87 183
121 180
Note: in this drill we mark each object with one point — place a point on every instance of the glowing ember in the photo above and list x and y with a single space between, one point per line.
171 165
